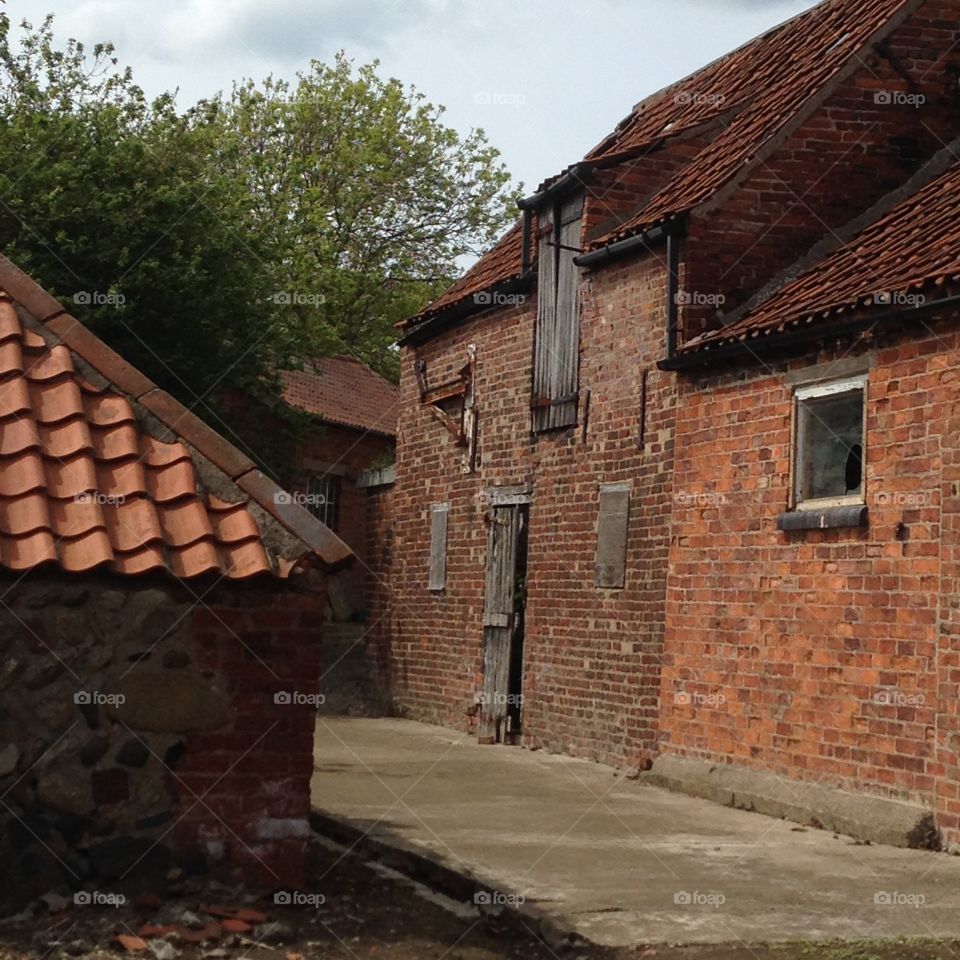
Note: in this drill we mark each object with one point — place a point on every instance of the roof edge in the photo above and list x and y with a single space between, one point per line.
780 134
460 310
775 340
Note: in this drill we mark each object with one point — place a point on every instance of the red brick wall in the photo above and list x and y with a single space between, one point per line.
590 654
246 790
782 648
380 601
352 451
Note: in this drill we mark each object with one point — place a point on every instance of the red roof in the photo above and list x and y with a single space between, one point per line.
913 247
748 95
86 482
766 83
345 391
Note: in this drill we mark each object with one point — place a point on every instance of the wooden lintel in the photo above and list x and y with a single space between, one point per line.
446 391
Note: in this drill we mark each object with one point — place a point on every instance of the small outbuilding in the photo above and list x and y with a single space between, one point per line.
161 602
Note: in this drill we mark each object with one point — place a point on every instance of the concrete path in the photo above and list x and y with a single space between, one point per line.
614 861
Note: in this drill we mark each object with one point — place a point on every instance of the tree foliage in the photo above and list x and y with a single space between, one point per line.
217 245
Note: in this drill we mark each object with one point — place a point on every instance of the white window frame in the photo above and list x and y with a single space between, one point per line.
814 392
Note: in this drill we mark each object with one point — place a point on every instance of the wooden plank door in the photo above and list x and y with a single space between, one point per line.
499 620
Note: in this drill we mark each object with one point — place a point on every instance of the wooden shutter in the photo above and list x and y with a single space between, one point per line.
612 535
438 545
546 316
557 354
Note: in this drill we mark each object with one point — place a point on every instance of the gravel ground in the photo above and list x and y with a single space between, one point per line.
366 911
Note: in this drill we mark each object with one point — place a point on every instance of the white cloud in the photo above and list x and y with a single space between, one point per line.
546 78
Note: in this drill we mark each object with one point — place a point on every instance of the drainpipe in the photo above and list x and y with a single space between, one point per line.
673 289
525 243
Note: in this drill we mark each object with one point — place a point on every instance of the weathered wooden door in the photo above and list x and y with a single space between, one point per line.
503 623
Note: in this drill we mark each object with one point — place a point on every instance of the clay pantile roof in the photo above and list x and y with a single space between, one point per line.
502 262
345 391
766 84
914 247
749 95
87 483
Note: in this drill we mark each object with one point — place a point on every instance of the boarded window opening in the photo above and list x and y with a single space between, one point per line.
439 512
829 452
612 536
556 373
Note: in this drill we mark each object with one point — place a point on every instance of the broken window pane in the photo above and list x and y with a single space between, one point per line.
830 446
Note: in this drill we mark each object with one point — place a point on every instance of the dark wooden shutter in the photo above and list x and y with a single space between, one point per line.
438 545
612 535
557 353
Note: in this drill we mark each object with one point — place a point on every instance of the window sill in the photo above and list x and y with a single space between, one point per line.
824 518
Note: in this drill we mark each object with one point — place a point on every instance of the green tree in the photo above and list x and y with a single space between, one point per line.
366 198
217 246
112 203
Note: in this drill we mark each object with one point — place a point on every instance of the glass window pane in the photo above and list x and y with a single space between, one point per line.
831 446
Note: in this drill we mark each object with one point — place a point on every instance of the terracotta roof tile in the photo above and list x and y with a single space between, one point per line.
155 453
14 397
185 522
62 440
55 401
74 517
245 559
914 246
22 473
24 514
233 525
24 553
150 557
133 524
194 560
11 358
90 550
165 484
115 443
84 486
18 435
47 364
108 409
9 321
70 478
344 391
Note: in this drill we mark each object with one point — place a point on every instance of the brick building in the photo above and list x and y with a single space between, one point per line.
339 464
636 515
160 606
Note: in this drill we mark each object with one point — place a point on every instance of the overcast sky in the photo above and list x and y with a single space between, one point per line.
546 79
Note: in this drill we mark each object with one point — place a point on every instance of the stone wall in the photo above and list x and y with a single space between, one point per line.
139 731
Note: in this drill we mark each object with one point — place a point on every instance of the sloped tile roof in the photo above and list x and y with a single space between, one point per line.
770 79
749 95
345 391
84 485
501 263
914 247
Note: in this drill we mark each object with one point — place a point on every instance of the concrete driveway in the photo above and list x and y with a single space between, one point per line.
614 861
